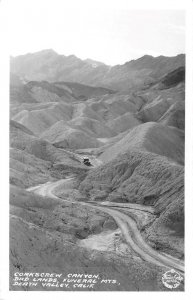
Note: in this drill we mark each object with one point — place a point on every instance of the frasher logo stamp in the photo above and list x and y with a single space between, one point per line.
172 279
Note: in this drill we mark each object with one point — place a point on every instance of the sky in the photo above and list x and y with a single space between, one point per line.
107 34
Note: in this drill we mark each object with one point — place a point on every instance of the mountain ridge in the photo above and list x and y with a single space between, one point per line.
50 66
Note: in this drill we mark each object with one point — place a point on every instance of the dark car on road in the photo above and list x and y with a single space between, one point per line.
86 161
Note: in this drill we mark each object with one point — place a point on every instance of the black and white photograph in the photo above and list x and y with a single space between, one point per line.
96 147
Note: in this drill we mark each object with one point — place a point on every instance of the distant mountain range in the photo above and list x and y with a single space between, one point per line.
50 66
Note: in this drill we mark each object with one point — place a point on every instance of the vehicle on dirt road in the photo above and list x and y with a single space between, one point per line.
86 161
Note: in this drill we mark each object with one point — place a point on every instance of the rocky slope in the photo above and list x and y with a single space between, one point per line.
150 137
32 160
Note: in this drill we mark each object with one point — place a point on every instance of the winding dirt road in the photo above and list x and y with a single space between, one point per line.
127 225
